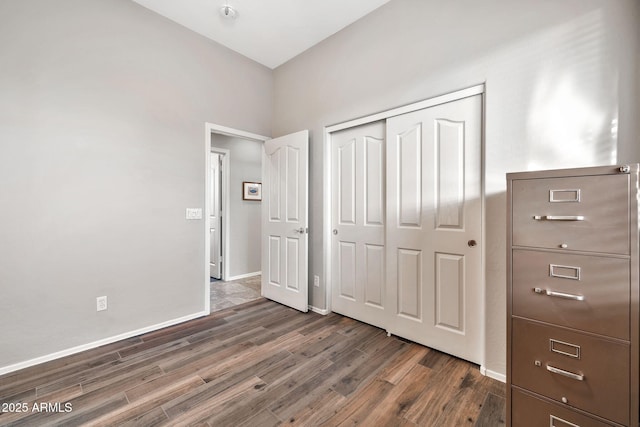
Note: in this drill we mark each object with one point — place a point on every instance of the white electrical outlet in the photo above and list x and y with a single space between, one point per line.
316 281
101 303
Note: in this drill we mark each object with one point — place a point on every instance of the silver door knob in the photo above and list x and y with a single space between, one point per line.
299 230
335 232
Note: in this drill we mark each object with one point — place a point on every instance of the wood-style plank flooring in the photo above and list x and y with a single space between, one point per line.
257 364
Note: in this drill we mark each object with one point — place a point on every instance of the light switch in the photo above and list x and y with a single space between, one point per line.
193 213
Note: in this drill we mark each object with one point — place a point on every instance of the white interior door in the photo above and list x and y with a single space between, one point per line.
215 218
434 224
358 220
285 183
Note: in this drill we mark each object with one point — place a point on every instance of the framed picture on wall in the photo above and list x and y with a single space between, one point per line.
252 191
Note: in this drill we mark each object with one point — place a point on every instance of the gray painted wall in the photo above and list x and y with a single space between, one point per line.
102 139
244 215
560 93
102 146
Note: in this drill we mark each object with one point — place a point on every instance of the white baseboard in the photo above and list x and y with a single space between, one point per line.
244 276
89 346
493 374
322 311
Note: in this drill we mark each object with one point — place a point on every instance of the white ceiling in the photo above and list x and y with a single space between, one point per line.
268 31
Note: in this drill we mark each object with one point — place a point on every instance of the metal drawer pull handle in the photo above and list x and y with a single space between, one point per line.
578 377
558 217
567 296
559 294
553 419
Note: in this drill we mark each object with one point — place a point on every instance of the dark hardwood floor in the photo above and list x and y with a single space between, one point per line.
257 364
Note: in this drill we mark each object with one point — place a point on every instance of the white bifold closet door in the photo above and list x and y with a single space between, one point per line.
407 224
434 226
358 206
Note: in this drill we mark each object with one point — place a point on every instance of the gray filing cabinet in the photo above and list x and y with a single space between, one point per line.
573 297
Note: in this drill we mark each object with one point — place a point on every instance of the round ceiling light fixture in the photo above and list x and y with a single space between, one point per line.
228 12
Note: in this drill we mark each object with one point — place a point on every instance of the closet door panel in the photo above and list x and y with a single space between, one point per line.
358 223
435 210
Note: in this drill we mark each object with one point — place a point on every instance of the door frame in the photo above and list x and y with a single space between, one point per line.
327 223
210 130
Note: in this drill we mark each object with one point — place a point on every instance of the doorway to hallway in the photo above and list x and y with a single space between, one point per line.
233 222
279 223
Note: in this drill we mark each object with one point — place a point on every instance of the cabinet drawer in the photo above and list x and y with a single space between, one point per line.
530 411
588 213
583 371
590 293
